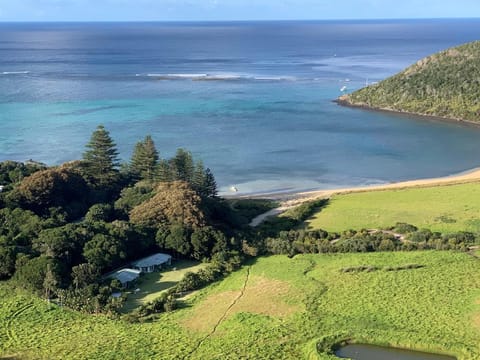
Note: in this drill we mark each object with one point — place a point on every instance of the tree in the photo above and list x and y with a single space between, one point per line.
182 166
100 160
133 196
8 256
84 275
144 160
173 203
210 185
178 239
31 273
18 227
60 186
164 171
58 243
104 251
99 212
50 282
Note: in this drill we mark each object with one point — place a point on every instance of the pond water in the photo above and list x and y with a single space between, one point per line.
372 352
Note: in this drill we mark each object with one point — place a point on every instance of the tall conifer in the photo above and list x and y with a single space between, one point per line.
100 160
145 159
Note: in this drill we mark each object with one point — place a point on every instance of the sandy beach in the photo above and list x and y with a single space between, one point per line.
288 201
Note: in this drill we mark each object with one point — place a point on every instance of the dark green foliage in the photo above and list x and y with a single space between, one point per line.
206 241
8 255
164 173
63 243
100 160
31 273
144 160
133 196
422 235
18 227
84 275
99 212
311 242
165 302
446 84
178 239
248 209
93 299
12 172
182 166
104 251
404 228
290 219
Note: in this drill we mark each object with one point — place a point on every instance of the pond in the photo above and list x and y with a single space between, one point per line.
372 352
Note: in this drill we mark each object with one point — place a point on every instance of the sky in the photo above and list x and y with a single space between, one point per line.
218 10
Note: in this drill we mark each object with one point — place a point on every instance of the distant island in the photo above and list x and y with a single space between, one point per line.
446 85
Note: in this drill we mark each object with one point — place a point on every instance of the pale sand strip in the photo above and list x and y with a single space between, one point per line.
288 201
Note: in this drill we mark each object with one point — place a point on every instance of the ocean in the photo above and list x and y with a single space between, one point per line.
253 100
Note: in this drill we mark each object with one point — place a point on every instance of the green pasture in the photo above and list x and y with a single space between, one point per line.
440 208
273 308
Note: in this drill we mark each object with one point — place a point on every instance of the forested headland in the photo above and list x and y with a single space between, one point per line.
446 84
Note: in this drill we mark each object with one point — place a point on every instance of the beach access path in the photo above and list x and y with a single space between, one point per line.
288 201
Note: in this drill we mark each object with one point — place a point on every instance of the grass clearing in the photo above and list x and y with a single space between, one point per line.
286 308
441 208
261 296
151 285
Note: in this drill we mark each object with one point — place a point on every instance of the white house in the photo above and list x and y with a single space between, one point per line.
152 263
125 276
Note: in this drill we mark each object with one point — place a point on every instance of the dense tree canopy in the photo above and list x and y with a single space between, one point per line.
62 227
61 186
173 203
446 84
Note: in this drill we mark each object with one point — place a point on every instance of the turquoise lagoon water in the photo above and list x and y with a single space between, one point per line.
253 100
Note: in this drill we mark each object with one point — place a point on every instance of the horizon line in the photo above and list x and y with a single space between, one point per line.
238 20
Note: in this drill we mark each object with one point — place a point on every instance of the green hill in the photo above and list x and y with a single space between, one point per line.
446 84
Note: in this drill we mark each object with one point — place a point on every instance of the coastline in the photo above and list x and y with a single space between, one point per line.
343 101
289 200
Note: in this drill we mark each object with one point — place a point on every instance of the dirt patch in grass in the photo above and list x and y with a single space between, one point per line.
262 296
476 320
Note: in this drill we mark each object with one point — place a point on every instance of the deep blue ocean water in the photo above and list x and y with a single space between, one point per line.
252 99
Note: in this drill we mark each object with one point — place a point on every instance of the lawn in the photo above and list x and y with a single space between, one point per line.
441 208
151 285
274 308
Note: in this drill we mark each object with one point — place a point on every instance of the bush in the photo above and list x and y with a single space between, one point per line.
404 228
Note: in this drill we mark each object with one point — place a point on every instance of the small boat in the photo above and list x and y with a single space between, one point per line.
233 189
343 88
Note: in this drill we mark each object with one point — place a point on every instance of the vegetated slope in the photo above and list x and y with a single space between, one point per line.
446 84
275 308
439 208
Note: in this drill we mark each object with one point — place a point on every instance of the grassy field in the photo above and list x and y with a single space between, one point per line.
153 284
441 208
274 308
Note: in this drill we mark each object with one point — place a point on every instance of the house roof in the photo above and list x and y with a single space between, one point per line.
156 259
125 275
